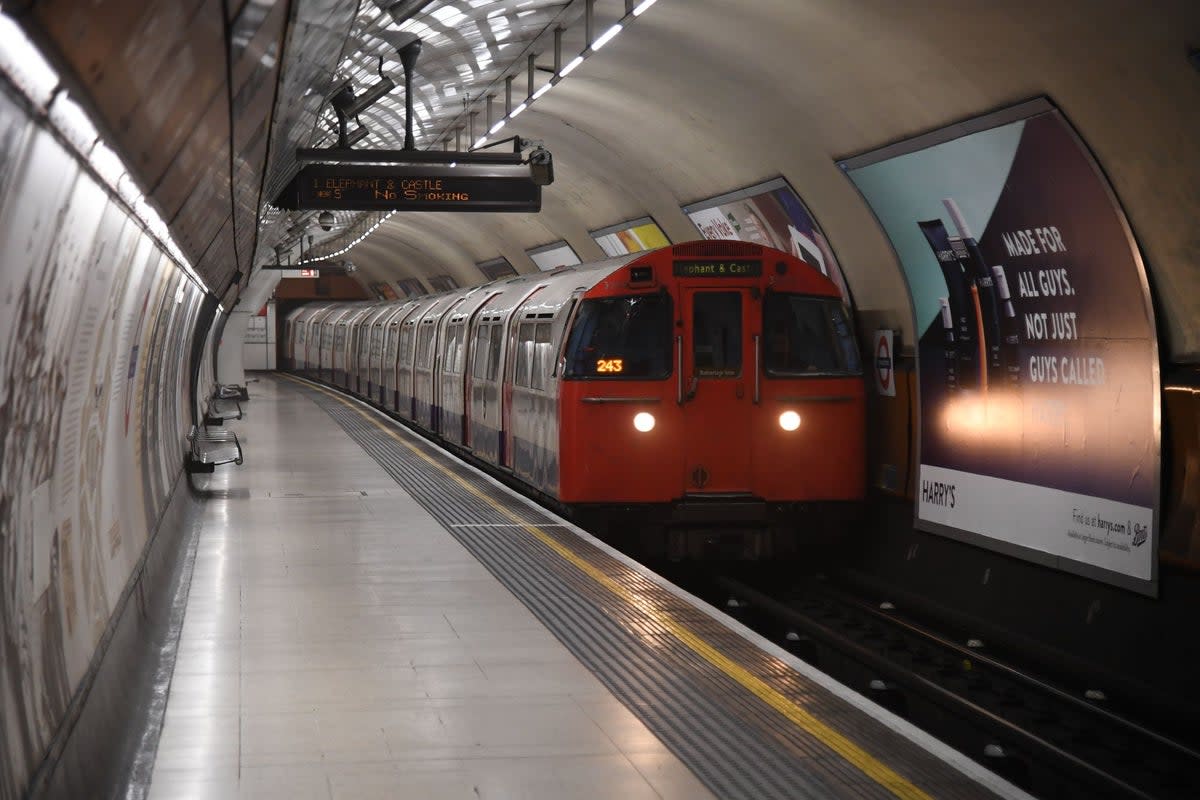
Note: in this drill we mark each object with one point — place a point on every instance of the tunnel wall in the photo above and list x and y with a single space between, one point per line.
96 326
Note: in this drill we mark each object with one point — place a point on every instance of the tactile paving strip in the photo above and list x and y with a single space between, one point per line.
731 738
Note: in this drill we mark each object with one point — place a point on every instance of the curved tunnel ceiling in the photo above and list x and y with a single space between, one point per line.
703 97
695 98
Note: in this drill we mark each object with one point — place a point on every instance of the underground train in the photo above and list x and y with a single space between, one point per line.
705 399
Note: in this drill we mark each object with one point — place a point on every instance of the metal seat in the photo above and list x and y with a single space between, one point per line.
210 448
221 409
231 391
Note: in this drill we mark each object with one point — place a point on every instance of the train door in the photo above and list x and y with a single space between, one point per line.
718 376
511 324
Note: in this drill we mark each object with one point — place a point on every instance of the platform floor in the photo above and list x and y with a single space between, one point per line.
340 642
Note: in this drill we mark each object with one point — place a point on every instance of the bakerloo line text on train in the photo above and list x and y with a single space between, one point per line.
702 399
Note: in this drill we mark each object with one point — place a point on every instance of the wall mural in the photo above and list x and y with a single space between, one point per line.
95 330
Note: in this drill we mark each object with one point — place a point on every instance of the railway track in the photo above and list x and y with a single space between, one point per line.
1052 740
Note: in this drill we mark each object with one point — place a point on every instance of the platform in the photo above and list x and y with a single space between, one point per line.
370 617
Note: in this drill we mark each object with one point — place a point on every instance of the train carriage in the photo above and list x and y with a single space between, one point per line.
427 335
346 356
312 346
454 374
364 337
702 398
329 346
295 331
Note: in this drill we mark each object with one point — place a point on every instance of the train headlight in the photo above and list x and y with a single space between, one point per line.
789 420
643 421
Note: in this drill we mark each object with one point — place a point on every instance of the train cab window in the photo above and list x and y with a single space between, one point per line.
807 336
717 334
621 337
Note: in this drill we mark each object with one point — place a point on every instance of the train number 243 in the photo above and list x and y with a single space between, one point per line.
610 365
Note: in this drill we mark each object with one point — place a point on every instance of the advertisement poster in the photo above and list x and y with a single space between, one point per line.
1037 355
770 214
496 268
383 290
412 287
553 256
442 283
634 236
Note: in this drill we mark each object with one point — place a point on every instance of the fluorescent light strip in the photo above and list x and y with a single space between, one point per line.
23 63
604 39
607 36
350 246
570 67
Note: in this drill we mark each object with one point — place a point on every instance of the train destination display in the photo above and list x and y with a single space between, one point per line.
730 268
1037 352
386 187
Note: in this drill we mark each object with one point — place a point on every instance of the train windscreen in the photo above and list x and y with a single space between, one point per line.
805 335
621 337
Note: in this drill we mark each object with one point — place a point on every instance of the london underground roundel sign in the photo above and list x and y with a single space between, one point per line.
885 373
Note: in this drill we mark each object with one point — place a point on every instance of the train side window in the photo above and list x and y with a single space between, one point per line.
405 346
808 336
543 355
559 354
621 337
494 352
482 337
524 365
425 346
452 358
717 334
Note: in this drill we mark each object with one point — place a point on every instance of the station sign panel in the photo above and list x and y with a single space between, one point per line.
1036 343
393 187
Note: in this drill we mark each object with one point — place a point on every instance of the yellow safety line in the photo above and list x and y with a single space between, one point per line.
879 772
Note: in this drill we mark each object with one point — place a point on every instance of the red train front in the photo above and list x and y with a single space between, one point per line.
712 401
703 399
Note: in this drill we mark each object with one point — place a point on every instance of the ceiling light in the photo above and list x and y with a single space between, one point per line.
107 164
606 37
25 65
496 128
517 110
543 90
642 6
72 122
570 67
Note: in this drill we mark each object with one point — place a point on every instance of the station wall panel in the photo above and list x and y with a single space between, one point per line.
95 327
